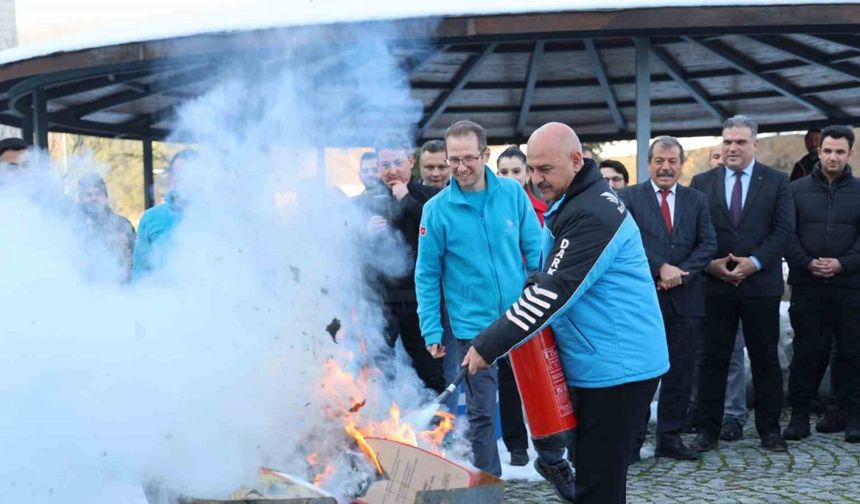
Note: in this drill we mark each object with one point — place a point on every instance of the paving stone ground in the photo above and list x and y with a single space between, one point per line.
821 468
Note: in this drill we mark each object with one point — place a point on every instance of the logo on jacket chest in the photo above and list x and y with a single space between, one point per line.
556 259
615 200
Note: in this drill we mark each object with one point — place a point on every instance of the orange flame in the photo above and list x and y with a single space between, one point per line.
346 394
320 478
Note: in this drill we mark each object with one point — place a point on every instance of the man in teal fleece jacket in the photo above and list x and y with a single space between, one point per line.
479 238
157 224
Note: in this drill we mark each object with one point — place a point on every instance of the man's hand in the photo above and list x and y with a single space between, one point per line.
825 267
670 277
399 190
437 350
376 225
474 361
743 269
719 268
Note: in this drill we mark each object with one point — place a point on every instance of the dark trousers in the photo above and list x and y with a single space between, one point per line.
511 408
609 420
402 320
481 390
817 313
682 334
676 385
760 318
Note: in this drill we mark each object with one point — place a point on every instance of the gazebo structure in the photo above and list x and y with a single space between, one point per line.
611 74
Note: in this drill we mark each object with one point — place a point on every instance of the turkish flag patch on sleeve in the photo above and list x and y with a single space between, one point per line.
422 231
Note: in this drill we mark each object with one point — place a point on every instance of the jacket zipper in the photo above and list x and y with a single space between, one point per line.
490 252
829 216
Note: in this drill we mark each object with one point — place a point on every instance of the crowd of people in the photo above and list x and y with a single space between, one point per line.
118 252
644 284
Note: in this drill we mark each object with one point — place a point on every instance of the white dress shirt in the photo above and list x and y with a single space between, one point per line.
670 199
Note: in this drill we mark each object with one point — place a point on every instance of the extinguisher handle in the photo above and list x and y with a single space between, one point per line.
453 386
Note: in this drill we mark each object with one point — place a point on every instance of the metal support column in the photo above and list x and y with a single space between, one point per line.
27 129
148 181
643 106
40 119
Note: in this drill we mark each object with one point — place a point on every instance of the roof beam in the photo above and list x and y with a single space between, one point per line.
694 88
780 85
150 119
531 80
807 54
83 86
164 83
413 64
463 75
848 40
603 79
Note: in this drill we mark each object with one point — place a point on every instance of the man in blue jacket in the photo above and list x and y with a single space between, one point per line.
157 224
596 292
478 238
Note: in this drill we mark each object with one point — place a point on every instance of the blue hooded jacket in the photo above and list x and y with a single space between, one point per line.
594 289
481 260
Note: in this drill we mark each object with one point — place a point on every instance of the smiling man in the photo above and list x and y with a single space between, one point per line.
479 237
679 241
435 171
824 260
753 216
395 206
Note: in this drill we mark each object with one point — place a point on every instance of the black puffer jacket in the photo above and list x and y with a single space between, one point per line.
404 216
828 225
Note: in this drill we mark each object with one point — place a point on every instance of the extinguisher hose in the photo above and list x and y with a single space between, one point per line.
441 398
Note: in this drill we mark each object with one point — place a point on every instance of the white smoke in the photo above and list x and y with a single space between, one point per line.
210 367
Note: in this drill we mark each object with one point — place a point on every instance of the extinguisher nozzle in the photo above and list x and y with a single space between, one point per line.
452 387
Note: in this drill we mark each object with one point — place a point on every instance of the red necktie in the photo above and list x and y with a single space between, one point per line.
664 207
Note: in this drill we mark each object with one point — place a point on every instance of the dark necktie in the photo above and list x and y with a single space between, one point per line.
737 205
664 207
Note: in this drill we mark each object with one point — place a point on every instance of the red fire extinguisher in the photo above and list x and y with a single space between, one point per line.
543 390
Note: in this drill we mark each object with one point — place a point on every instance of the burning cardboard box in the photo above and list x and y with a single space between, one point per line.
416 476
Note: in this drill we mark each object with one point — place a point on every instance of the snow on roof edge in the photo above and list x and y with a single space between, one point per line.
251 19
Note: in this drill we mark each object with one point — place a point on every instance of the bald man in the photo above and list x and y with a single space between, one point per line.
594 288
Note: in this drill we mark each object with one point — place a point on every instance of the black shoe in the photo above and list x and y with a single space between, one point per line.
833 421
561 477
732 430
675 449
635 457
774 442
704 442
519 458
798 428
852 430
816 406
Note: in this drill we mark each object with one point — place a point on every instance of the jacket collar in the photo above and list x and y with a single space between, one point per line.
456 194
587 177
819 177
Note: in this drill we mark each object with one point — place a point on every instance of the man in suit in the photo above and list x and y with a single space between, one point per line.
679 241
753 215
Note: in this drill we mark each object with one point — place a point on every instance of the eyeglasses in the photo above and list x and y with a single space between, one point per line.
468 160
614 178
396 164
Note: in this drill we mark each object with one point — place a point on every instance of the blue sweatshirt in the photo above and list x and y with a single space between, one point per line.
480 259
153 236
